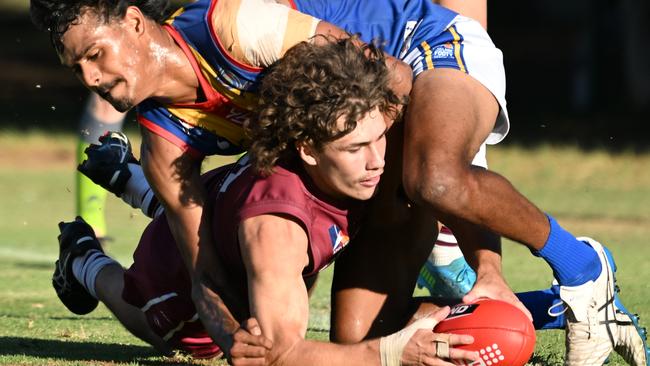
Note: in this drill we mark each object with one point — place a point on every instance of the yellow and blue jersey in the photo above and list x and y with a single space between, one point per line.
228 45
397 26
214 125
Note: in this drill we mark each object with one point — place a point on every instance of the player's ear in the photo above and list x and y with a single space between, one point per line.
134 19
307 153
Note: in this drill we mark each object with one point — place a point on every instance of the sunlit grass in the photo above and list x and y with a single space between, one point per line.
597 194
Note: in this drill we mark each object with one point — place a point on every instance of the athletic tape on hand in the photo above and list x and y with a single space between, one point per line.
391 347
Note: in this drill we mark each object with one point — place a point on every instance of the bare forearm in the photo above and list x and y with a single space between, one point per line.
217 319
175 179
307 352
191 233
184 224
481 248
210 293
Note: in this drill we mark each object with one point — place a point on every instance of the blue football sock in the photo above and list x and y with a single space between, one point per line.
539 303
573 262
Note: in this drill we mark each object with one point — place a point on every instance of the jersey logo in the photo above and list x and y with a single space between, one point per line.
232 80
443 51
461 310
338 238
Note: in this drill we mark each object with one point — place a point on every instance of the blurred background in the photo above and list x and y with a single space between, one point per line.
578 72
578 91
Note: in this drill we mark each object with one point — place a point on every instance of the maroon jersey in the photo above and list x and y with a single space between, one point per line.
289 191
158 282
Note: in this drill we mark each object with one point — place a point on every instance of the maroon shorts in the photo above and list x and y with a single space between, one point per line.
158 284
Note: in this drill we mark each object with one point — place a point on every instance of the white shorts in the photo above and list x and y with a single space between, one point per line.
467 47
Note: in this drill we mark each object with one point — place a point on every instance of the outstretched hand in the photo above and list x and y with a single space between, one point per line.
249 347
436 349
493 286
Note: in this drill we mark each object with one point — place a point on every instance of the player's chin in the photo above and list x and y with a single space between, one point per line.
365 193
121 104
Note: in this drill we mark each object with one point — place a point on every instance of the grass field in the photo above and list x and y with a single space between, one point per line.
596 194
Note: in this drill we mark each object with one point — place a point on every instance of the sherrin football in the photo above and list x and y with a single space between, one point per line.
503 335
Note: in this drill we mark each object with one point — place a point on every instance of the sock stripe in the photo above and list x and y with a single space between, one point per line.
86 268
85 239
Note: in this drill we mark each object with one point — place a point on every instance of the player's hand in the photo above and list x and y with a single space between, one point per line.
107 163
433 349
492 285
249 347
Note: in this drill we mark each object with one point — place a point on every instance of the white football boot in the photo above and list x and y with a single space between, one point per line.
632 340
592 331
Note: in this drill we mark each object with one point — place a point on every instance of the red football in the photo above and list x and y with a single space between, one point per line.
502 333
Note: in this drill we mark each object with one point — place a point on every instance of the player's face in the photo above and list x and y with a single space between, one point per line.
351 166
107 60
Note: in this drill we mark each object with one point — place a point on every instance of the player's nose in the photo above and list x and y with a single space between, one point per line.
375 157
91 75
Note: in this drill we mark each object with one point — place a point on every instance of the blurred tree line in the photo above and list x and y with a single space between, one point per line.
578 72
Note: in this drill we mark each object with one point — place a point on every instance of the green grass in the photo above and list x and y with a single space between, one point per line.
596 194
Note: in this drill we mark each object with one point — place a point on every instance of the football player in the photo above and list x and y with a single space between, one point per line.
278 217
194 80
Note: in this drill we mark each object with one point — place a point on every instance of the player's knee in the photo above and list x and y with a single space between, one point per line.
437 188
349 333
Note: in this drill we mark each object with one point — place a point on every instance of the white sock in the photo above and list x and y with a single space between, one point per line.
85 269
138 193
446 249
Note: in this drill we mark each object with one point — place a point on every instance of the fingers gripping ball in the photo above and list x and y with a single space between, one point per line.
503 335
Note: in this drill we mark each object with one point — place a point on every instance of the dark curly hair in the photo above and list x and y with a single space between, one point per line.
304 94
56 16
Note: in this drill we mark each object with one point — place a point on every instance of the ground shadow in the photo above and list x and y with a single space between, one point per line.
72 350
86 351
37 265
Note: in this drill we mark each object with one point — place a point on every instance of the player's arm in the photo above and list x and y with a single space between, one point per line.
482 250
174 176
274 250
266 30
215 306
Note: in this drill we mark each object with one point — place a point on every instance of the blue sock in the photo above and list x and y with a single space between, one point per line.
539 303
573 262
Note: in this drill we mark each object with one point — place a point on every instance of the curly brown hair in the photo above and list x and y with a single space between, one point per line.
305 93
